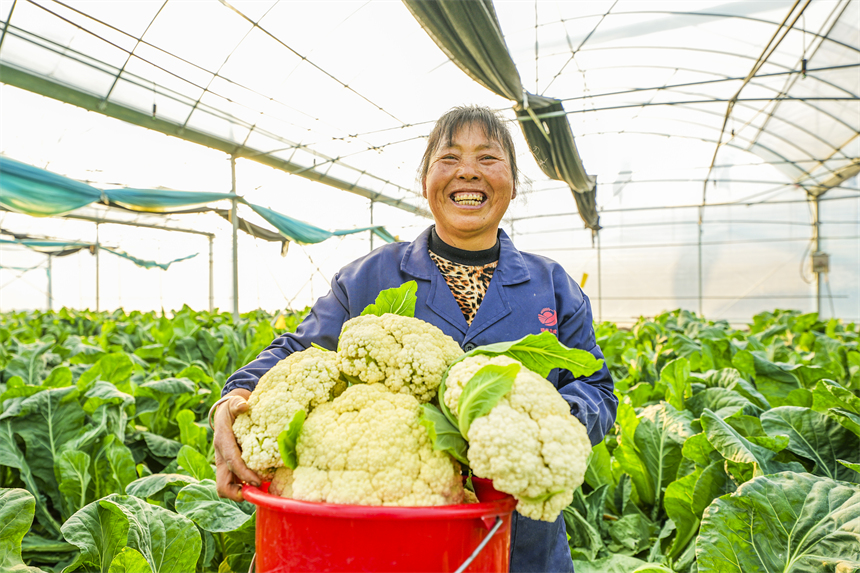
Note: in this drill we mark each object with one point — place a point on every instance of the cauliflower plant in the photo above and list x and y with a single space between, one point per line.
529 444
302 381
406 354
368 447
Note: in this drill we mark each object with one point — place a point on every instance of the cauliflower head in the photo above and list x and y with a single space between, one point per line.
367 447
406 354
302 381
529 444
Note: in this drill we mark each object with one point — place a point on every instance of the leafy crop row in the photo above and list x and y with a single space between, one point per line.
104 412
734 451
707 412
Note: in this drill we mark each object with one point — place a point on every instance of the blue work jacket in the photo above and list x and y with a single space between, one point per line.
527 295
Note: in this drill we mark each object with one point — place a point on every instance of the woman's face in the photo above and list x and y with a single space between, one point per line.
469 186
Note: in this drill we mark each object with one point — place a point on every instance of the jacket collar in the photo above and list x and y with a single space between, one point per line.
511 270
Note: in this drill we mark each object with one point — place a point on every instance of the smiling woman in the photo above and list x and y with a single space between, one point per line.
469 177
473 284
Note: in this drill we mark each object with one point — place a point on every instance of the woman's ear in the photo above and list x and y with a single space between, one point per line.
514 192
424 187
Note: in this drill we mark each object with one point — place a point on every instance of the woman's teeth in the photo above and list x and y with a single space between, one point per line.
471 199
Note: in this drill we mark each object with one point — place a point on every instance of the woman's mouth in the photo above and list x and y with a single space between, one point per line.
468 198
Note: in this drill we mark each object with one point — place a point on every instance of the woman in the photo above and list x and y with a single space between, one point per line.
472 283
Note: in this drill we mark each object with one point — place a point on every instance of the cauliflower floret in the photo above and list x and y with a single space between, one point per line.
302 381
367 447
529 444
406 354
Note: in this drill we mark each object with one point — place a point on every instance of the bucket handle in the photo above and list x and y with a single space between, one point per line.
460 569
481 546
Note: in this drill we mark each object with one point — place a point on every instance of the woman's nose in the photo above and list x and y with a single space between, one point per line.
468 170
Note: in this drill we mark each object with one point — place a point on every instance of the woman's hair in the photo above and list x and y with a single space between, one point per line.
459 117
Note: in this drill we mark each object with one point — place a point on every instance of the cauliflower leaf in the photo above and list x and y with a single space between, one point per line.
446 437
541 353
288 439
483 391
400 301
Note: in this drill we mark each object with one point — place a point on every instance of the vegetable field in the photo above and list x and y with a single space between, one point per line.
734 450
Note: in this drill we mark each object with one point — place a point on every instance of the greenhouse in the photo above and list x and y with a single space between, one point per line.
181 181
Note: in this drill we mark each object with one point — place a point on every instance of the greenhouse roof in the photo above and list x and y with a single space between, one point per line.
344 92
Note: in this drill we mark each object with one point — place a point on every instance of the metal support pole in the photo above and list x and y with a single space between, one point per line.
234 218
816 236
97 267
211 277
701 215
599 281
371 224
50 285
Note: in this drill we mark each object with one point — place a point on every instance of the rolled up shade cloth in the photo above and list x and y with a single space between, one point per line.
470 35
62 248
33 191
162 200
305 234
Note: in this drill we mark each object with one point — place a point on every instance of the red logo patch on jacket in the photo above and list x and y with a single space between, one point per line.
547 317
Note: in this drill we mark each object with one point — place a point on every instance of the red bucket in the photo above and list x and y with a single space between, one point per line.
308 536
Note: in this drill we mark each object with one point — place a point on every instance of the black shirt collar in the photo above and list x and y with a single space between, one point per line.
460 256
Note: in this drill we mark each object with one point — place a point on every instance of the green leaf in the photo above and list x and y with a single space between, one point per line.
722 402
161 447
855 467
12 457
445 436
72 470
195 463
115 368
738 449
60 377
483 391
632 532
676 376
785 522
151 485
678 502
170 542
129 560
611 564
289 438
191 433
105 393
99 534
17 508
599 470
400 300
828 394
816 437
585 541
47 421
541 353
29 362
849 420
712 483
115 464
653 458
700 450
150 352
200 503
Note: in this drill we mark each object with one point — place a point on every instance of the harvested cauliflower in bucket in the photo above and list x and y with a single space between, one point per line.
528 444
302 381
368 447
416 411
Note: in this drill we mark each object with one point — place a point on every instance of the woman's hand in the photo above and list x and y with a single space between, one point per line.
230 470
